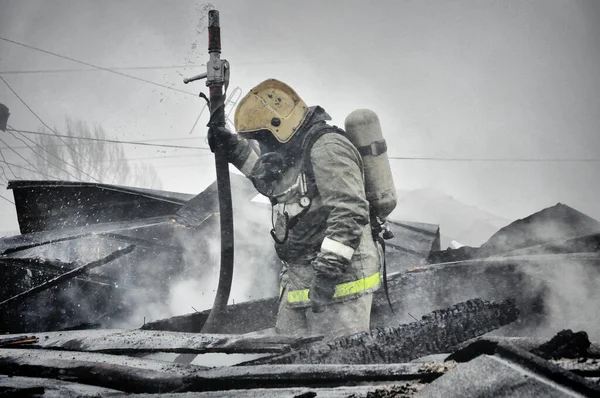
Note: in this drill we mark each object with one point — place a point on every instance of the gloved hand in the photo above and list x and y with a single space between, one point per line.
327 269
321 292
221 136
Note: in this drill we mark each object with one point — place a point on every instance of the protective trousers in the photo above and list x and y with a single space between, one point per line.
338 319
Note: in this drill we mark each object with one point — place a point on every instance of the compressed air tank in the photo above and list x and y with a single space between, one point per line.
364 130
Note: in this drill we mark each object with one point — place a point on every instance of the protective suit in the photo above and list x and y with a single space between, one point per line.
313 176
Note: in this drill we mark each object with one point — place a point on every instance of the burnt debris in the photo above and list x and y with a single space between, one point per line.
434 333
565 344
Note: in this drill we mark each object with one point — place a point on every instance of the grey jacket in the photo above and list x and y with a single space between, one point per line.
337 222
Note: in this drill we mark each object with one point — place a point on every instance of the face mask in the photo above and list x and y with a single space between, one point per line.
267 170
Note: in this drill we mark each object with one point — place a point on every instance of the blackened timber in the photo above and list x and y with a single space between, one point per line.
26 387
434 334
239 318
304 375
146 341
135 375
377 390
67 276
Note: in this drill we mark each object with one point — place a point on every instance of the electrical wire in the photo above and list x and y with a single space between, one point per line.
19 166
23 72
48 152
8 200
26 161
7 165
97 67
506 160
109 143
49 128
114 141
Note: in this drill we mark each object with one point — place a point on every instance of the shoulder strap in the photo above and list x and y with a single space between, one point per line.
307 146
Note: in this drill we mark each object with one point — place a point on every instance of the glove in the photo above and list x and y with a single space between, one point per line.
321 292
322 287
221 136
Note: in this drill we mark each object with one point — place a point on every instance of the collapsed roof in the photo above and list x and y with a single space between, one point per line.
78 231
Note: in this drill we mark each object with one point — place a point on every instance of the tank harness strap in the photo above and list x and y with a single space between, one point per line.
341 290
374 149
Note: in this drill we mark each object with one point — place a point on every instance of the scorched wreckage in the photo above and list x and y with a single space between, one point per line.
92 258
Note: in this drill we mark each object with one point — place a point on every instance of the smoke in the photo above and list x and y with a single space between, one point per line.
572 297
193 287
556 285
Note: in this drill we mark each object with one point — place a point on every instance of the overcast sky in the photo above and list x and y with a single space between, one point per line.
449 79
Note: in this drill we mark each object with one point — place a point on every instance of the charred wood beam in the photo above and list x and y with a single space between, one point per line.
67 276
306 375
240 318
30 386
142 341
378 390
434 334
136 375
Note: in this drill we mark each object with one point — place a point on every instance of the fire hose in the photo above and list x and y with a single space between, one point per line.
217 79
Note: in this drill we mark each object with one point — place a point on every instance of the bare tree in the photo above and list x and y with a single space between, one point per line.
91 161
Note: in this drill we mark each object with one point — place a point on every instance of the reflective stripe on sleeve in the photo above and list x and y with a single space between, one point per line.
341 290
338 248
246 167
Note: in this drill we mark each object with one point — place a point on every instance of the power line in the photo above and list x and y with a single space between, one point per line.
24 159
24 72
8 165
111 141
155 157
158 67
48 152
21 167
505 160
49 128
108 143
96 66
8 200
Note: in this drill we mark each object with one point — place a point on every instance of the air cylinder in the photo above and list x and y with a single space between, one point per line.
364 130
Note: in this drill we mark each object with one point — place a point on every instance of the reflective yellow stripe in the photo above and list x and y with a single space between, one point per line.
341 290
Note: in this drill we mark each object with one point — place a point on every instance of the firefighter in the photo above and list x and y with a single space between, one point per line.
313 176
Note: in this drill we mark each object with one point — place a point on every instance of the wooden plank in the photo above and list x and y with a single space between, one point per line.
110 371
117 341
136 375
315 376
24 386
375 390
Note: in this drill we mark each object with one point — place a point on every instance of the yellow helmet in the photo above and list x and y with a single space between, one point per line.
272 106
